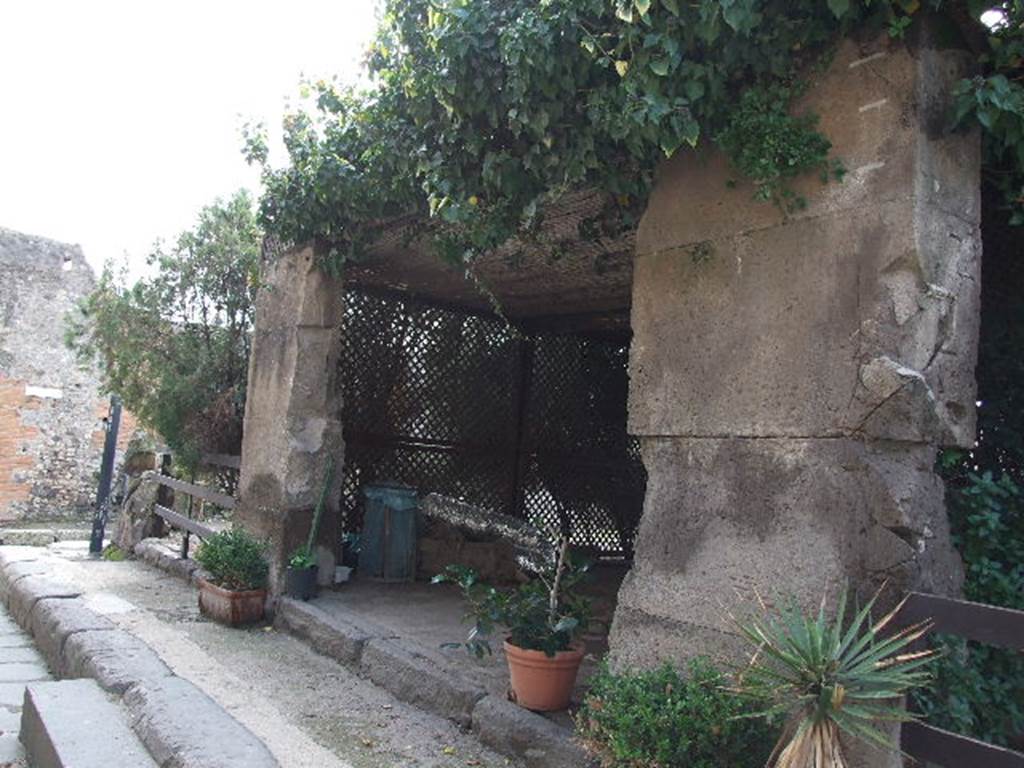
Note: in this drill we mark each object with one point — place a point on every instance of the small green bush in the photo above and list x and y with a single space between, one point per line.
663 719
235 559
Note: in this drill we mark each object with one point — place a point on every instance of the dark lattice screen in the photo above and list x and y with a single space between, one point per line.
462 405
582 472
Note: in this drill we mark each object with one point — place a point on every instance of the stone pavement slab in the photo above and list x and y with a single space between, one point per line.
20 665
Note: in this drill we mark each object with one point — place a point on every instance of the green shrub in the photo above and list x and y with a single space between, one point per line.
235 559
662 719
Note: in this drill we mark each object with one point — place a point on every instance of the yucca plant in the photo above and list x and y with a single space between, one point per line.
826 676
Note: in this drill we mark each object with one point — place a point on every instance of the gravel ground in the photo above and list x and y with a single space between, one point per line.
309 710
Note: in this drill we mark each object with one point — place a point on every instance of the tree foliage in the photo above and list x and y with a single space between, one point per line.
175 346
483 111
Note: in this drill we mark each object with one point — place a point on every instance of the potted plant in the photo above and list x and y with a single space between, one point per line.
542 618
301 575
300 579
236 589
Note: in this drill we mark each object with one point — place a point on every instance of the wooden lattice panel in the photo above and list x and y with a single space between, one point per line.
463 405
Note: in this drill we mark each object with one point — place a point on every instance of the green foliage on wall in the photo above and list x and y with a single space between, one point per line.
481 112
175 345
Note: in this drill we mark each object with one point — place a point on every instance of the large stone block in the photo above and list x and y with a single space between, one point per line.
182 727
331 635
26 592
859 322
730 519
855 316
418 680
537 741
73 723
53 620
115 659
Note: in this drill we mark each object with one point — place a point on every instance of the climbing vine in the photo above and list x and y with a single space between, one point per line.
481 112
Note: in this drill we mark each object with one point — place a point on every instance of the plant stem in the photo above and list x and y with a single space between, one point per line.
320 505
553 605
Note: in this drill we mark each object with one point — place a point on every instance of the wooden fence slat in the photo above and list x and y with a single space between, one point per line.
934 745
200 492
989 624
180 521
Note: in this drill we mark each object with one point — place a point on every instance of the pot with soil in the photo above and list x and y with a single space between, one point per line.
540 682
542 624
236 590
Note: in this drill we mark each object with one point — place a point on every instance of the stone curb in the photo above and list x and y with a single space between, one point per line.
113 658
40 537
410 676
512 730
330 635
53 620
154 552
419 681
499 724
180 725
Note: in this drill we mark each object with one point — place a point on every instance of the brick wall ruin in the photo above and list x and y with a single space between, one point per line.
51 411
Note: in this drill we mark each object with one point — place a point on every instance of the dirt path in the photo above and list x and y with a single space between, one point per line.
308 710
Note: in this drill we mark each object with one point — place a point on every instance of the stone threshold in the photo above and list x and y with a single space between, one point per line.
399 666
177 722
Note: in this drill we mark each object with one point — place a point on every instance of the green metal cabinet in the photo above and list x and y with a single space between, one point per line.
388 541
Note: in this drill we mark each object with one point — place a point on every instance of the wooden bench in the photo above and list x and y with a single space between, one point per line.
186 522
987 624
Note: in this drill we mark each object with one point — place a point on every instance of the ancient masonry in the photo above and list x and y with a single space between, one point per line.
51 411
791 391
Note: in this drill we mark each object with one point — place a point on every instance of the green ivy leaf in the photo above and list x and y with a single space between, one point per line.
643 6
672 6
622 67
660 67
839 8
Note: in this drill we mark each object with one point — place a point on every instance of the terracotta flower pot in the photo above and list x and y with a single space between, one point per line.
229 607
540 682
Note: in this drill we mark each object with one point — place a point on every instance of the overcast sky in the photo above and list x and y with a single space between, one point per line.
119 120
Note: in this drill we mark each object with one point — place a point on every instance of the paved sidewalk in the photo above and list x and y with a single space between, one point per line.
310 711
20 664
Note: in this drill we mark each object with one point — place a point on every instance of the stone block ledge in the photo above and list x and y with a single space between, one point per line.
156 553
394 665
179 724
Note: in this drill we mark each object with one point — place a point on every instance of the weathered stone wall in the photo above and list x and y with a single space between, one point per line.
791 390
292 411
51 430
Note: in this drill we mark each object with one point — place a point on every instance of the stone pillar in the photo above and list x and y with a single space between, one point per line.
293 411
793 377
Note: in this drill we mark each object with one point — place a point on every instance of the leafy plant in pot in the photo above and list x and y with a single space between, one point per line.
301 575
542 617
300 580
237 588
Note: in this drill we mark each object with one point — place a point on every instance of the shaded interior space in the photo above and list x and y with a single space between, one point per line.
505 389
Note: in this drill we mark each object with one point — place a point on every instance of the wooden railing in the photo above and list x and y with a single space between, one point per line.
193 491
987 624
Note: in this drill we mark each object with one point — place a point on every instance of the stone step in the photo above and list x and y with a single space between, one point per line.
42 536
74 723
